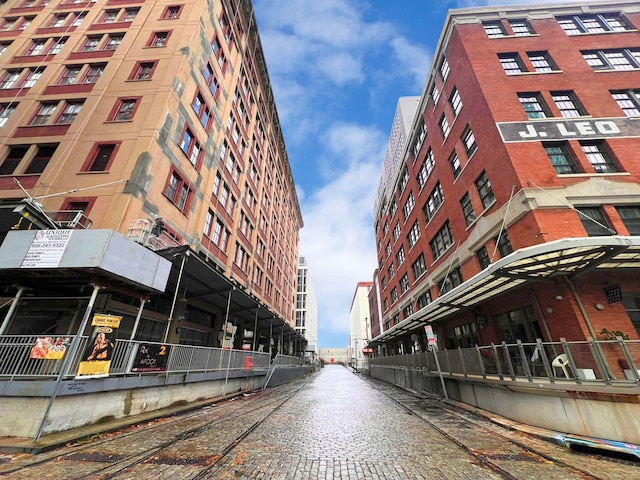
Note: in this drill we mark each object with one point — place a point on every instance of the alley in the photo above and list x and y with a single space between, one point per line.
333 424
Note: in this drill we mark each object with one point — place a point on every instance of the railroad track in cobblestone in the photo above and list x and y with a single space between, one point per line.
458 426
167 453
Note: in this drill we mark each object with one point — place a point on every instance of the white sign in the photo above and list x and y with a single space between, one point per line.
430 337
46 249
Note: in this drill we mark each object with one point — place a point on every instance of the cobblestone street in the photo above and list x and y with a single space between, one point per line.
331 425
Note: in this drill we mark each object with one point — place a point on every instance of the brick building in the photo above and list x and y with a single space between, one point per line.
513 212
155 120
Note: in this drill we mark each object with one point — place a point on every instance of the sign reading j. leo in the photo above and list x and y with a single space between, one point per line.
569 129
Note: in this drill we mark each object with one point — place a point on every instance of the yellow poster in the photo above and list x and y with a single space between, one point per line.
96 359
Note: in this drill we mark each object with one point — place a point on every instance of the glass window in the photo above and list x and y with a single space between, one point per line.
456 166
483 257
541 62
467 209
6 110
94 72
101 157
533 105
521 27
125 110
599 157
70 74
504 244
445 128
511 63
628 101
44 113
441 241
455 101
484 190
70 112
561 158
630 216
568 104
594 221
431 206
494 29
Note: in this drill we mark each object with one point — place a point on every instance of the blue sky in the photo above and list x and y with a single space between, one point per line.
337 69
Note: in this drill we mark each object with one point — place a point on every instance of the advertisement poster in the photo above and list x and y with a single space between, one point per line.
49 348
151 357
96 359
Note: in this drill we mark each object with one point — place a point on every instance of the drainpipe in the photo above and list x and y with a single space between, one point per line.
12 309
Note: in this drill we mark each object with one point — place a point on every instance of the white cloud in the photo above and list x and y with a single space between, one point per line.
338 239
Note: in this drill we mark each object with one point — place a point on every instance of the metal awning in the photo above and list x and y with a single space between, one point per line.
569 256
205 280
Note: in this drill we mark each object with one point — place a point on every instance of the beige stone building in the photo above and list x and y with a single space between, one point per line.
155 119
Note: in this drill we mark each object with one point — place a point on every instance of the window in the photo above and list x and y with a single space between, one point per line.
622 59
387 249
504 244
14 157
113 41
36 47
109 16
191 147
444 70
483 257
396 231
70 112
511 63
533 105
628 101
404 283
541 62
419 267
456 167
130 14
444 126
172 12
9 79
6 110
435 94
210 79
426 168
561 158
606 22
404 179
413 235
521 27
143 71
159 39
630 216
44 113
4 46
451 281
101 158
391 271
70 74
599 157
431 206
124 110
419 140
467 209
241 258
441 241
455 101
77 18
594 222
408 206
41 159
93 73
400 256
407 311
33 75
424 299
394 295
568 104
494 29
56 46
469 141
484 190
178 192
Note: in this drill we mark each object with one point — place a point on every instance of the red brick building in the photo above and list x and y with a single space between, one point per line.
513 212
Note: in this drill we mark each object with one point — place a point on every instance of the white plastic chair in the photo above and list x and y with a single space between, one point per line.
561 361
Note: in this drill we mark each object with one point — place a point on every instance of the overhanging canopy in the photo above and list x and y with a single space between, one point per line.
204 280
569 256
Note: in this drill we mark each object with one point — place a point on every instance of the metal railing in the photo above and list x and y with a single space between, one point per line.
602 361
40 357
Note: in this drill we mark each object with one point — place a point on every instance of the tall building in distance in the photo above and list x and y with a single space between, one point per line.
359 324
307 307
513 212
156 120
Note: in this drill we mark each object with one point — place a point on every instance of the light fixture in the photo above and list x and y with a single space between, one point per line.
549 310
559 297
599 306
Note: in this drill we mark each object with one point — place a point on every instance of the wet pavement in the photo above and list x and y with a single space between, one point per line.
333 424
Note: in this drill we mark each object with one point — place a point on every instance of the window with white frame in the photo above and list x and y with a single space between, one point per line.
593 23
494 29
414 234
613 59
455 101
426 168
533 105
628 101
521 27
541 62
511 63
408 206
599 156
400 256
568 104
445 128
